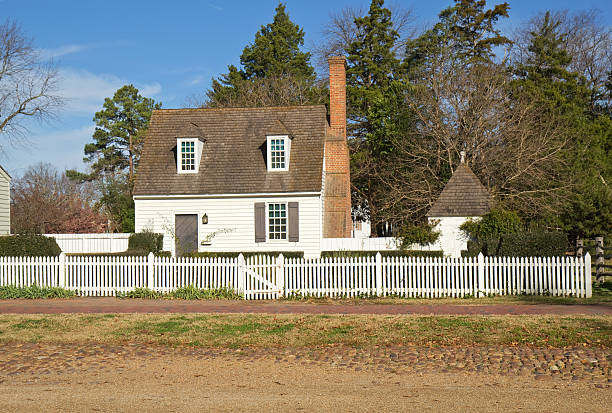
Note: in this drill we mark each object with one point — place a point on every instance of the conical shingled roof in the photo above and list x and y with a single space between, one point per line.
463 196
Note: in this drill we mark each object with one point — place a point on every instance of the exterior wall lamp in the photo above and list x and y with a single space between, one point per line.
204 219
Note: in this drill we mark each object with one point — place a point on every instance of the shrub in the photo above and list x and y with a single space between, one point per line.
126 253
536 244
423 234
211 254
33 292
393 253
32 245
520 244
144 242
495 222
183 293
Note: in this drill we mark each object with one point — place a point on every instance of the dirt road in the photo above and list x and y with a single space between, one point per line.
47 378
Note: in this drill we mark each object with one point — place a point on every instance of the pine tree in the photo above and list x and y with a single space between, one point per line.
115 151
273 64
119 134
466 29
546 78
375 94
276 50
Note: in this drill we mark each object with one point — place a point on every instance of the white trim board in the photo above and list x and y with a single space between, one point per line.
250 195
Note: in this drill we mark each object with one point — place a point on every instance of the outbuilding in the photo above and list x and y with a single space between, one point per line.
463 197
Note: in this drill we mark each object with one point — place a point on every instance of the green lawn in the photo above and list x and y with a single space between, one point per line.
238 330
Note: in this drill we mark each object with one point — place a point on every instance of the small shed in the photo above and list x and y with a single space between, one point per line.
463 197
5 202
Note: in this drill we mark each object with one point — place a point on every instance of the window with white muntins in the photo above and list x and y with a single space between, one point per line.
278 153
277 221
188 155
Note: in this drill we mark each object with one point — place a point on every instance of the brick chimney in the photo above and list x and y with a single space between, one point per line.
337 190
337 94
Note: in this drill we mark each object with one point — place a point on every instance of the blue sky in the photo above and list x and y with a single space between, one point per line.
169 50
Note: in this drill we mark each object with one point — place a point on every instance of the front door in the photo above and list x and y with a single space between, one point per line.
186 236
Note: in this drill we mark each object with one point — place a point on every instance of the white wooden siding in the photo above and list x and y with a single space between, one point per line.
91 243
5 203
233 221
452 240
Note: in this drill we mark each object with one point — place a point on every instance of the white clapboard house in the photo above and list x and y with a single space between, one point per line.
5 202
247 179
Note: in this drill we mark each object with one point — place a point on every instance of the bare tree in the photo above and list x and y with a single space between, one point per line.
513 147
45 201
27 83
341 31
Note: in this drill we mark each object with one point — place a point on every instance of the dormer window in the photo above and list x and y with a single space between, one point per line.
278 153
189 152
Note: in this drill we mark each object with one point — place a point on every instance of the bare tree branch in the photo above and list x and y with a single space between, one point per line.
27 84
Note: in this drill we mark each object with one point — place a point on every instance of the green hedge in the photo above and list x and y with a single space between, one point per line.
32 245
520 244
525 244
210 254
126 253
394 253
145 242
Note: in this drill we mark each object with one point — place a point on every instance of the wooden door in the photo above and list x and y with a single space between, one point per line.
186 236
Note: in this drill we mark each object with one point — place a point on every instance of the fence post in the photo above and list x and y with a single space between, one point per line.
599 259
241 275
579 248
280 274
481 276
587 275
151 271
62 271
379 288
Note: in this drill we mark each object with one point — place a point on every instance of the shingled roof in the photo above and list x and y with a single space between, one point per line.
463 196
234 151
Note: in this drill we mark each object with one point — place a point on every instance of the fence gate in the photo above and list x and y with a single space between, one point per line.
262 277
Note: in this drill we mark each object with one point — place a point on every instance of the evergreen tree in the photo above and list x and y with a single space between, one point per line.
564 95
466 29
119 134
375 94
115 151
275 54
276 50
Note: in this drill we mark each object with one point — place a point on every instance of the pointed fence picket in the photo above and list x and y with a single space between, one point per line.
263 277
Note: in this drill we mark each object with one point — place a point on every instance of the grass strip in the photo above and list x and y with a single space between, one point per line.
291 331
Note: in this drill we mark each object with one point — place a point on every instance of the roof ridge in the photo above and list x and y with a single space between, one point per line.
239 108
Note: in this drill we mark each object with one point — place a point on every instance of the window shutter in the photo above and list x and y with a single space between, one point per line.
294 222
260 222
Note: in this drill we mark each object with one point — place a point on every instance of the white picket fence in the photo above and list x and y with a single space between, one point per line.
264 277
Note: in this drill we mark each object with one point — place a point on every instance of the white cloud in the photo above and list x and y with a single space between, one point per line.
62 148
195 81
46 54
85 91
